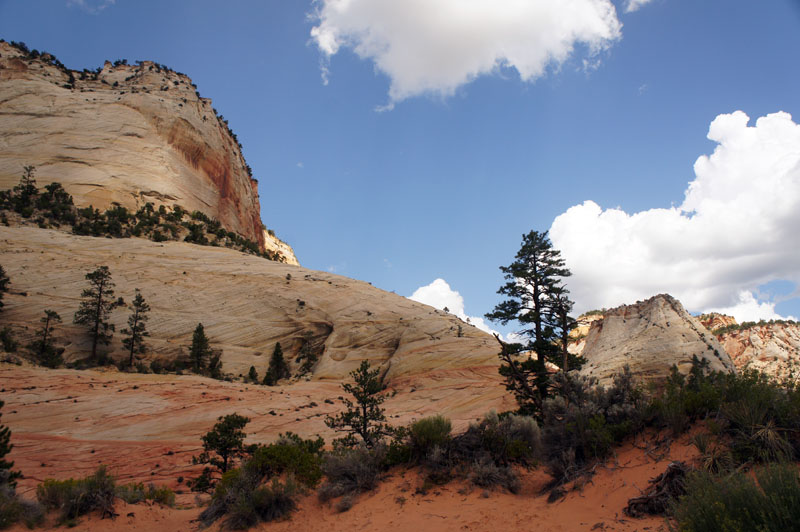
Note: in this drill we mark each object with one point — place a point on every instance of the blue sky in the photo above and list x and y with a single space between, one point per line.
419 170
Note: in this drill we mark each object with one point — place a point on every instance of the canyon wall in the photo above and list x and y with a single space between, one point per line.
126 134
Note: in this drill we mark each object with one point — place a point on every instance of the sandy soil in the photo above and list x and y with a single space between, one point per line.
398 505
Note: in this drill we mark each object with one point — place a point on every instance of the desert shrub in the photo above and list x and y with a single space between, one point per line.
351 471
290 454
583 421
136 493
486 474
513 439
13 509
737 502
264 504
756 415
427 433
73 498
242 495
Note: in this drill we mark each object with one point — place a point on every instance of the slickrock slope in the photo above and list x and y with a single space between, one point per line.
245 303
147 427
650 336
127 134
773 348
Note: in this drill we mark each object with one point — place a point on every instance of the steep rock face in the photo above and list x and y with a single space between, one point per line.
246 304
773 348
127 134
650 336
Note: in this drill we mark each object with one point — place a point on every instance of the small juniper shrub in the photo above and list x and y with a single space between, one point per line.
254 493
76 497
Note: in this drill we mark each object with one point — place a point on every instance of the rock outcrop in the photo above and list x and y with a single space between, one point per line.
771 347
126 134
247 304
650 336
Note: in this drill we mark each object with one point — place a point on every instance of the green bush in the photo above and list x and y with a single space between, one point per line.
427 433
136 493
243 498
73 498
736 502
512 439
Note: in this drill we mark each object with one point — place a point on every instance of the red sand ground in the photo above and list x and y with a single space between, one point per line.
66 423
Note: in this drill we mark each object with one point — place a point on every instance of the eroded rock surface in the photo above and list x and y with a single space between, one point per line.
773 348
128 134
650 336
246 304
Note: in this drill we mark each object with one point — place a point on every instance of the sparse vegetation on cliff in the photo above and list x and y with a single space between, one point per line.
54 207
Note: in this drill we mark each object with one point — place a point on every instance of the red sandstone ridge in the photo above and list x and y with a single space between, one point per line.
772 347
128 134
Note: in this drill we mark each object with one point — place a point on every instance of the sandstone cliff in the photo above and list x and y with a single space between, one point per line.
772 347
128 134
650 336
246 304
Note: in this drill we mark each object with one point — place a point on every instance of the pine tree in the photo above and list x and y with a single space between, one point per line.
533 282
137 327
7 476
4 282
225 440
47 353
278 369
252 375
98 302
364 417
200 352
564 323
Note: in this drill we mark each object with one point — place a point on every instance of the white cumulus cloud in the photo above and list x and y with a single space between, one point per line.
736 229
433 47
439 295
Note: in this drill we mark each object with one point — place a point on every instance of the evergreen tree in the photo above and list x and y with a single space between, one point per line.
4 282
564 323
533 285
7 476
200 352
44 345
364 417
278 369
215 365
25 193
98 302
137 330
252 375
224 442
